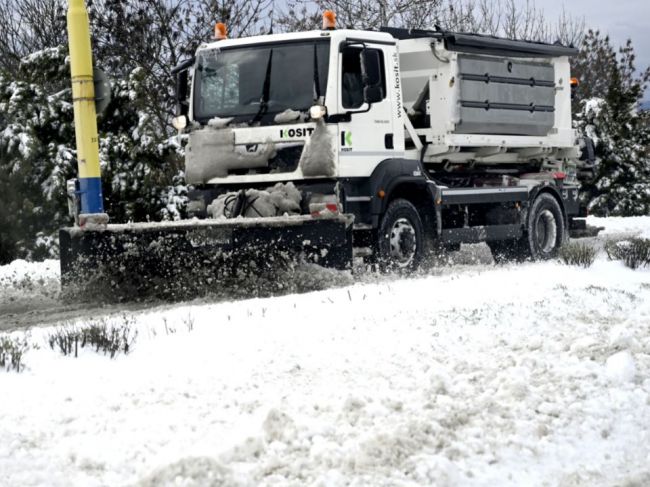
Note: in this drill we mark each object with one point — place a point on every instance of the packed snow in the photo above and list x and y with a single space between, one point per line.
317 158
25 285
479 375
212 153
290 116
278 200
633 226
219 123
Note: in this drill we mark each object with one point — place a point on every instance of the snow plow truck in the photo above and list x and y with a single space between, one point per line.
327 143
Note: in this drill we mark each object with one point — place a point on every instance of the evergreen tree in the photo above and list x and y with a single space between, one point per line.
35 155
138 43
141 171
608 104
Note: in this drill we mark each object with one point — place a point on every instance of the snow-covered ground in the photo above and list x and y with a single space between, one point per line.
636 226
532 374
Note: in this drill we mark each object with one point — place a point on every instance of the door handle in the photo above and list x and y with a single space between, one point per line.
388 141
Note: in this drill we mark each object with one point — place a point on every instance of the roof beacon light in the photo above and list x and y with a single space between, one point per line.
329 20
220 31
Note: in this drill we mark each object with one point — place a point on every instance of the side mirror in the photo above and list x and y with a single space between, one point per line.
373 94
103 95
182 93
371 74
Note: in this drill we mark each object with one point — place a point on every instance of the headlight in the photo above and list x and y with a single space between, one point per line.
180 123
317 112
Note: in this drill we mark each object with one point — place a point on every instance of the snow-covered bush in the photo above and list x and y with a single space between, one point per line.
35 154
622 183
577 253
142 176
634 252
607 110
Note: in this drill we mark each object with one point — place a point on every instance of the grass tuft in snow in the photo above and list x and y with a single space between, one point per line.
189 323
578 253
634 252
11 352
614 249
108 338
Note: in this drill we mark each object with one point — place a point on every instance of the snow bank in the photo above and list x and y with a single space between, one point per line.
511 375
638 226
620 367
13 276
27 285
499 377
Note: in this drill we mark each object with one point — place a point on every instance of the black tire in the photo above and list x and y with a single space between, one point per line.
545 234
401 238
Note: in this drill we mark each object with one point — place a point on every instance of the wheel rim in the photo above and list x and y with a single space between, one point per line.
403 244
546 231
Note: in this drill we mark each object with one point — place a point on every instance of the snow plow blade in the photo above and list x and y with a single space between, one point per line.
578 228
176 260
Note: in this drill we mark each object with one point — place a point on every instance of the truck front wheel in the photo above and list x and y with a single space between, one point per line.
401 237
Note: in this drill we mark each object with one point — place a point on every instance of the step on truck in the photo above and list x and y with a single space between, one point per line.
396 141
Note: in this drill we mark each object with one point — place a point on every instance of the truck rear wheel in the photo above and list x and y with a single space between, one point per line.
401 237
545 233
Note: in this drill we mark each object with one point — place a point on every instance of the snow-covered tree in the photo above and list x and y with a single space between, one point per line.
608 104
138 43
35 154
141 169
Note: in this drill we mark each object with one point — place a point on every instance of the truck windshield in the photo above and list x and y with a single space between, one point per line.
252 82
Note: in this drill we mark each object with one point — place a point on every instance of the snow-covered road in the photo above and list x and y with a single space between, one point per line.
533 374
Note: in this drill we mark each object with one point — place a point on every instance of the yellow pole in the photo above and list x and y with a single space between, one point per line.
85 117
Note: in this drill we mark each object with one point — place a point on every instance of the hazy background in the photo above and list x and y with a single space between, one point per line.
621 19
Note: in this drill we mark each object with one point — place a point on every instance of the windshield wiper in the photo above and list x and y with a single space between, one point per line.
316 74
264 99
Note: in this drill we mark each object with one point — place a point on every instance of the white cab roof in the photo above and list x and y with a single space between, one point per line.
336 35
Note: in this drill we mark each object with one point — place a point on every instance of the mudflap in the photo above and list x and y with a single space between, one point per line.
578 228
180 260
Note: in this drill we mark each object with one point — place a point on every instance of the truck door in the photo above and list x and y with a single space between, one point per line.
366 136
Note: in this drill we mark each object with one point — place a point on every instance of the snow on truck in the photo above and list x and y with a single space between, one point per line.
393 141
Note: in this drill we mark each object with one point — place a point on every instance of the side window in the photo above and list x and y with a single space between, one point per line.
352 82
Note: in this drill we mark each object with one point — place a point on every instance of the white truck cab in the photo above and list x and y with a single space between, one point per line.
305 69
